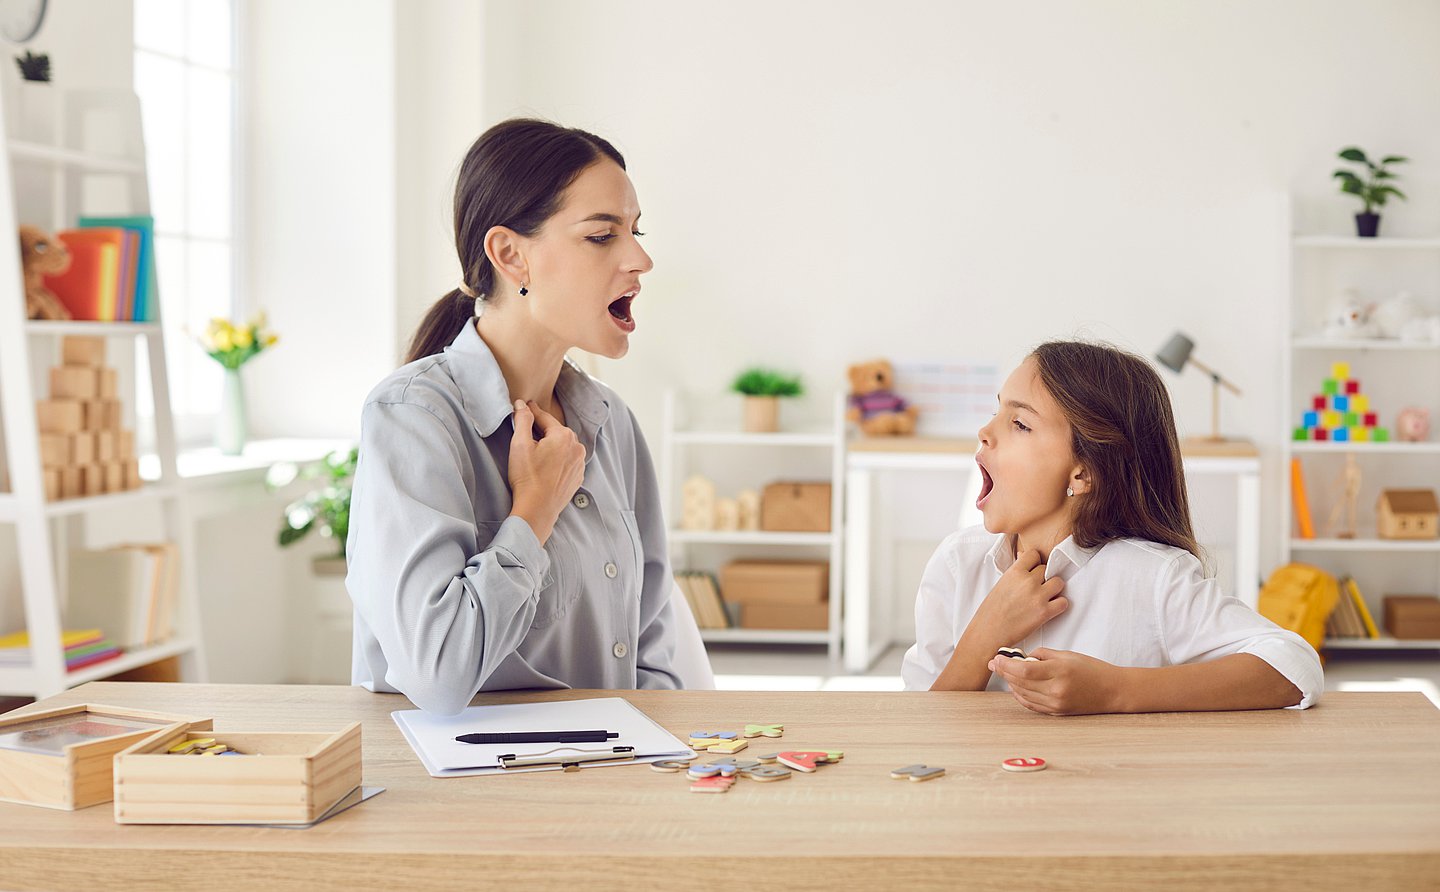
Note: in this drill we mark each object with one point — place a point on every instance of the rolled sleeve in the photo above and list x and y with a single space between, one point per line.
444 616
1201 622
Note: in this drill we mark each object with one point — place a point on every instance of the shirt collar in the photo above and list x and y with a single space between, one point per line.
1066 559
486 396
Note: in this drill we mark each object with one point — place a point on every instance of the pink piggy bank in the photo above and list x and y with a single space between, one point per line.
1413 424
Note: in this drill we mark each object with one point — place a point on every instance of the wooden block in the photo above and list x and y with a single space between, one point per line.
52 484
124 444
60 416
132 473
101 415
82 449
76 350
105 445
114 476
92 480
114 415
109 384
70 483
54 451
76 382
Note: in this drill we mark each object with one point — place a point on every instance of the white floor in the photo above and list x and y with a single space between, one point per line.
757 668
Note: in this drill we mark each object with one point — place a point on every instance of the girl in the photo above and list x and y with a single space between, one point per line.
505 525
1083 494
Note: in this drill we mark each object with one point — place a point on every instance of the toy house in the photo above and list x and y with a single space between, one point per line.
1408 514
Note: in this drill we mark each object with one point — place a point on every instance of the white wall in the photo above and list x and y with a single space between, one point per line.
827 181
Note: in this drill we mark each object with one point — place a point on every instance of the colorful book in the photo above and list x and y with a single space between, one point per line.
88 287
1371 630
145 305
1302 503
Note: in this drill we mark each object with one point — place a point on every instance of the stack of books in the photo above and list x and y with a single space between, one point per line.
112 270
703 593
1350 618
83 647
128 590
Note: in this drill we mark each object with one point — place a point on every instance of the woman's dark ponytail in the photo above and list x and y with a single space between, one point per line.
514 175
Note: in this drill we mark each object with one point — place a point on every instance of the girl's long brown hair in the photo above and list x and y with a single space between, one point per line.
515 175
1123 433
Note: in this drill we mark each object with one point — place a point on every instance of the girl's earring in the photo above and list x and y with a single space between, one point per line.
1069 492
523 290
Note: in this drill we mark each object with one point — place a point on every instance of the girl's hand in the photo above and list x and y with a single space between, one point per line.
544 473
1022 601
1062 682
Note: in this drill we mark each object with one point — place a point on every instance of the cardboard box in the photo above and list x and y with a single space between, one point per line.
92 480
69 763
52 484
59 416
124 445
75 382
82 449
799 583
78 350
70 483
105 446
796 617
54 451
796 508
132 474
109 384
282 778
1412 617
114 476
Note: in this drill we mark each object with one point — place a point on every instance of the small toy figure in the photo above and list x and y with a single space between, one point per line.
1413 424
1350 317
41 255
877 409
1346 504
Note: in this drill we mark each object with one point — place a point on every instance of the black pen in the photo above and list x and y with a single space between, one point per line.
539 737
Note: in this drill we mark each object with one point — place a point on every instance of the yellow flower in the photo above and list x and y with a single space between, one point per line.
271 340
220 340
244 337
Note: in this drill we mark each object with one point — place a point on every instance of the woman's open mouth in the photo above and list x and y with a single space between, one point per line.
987 486
620 311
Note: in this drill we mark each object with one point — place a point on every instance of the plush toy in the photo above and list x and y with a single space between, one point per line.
877 409
1349 317
1413 425
41 255
1402 317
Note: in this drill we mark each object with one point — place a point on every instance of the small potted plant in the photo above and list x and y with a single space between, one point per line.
762 389
1374 188
232 346
325 508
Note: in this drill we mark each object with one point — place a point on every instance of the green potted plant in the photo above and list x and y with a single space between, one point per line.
325 508
1373 188
762 389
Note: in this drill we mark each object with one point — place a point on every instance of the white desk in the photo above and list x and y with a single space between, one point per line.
865 456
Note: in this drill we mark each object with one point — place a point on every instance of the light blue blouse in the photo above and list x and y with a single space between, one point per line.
452 596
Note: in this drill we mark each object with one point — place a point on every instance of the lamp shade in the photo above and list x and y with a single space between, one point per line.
1176 352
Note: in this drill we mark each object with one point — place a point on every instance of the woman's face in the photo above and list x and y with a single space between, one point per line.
585 263
1026 461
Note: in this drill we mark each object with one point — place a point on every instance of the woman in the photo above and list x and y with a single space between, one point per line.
506 528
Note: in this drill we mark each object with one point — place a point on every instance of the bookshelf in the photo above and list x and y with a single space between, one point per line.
700 438
93 163
1393 373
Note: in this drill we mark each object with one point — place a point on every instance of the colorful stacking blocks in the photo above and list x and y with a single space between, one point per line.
1340 413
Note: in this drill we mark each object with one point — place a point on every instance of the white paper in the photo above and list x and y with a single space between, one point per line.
433 737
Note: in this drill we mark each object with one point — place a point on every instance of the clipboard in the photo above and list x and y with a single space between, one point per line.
432 737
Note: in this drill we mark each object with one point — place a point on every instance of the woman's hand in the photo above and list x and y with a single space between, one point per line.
1022 601
1062 682
544 473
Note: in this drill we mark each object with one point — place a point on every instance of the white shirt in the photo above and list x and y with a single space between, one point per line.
1132 603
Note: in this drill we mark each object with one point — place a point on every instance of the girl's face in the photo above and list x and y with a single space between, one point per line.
585 263
1026 463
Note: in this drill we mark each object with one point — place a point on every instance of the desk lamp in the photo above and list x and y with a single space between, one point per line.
1176 352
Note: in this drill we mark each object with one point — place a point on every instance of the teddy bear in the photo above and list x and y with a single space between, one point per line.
1350 317
41 255
877 409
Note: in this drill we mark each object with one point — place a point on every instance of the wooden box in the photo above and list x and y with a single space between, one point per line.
284 777
775 582
59 416
807 617
60 768
1412 617
82 350
796 508
74 382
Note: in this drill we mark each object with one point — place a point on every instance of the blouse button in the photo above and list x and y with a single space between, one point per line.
620 650
611 570
582 501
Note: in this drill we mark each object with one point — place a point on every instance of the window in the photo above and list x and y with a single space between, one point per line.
185 76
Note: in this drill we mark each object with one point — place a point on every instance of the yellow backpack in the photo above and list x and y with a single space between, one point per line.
1299 597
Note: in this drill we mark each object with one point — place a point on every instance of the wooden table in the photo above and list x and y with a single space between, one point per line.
1345 796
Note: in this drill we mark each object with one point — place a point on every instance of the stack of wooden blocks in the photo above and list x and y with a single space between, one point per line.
83 448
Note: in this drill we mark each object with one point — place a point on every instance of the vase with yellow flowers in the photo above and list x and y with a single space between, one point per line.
232 346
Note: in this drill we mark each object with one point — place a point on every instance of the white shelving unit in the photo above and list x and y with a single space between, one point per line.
812 454
1393 374
95 164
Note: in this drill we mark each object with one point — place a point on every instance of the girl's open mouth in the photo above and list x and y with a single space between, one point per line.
620 312
987 486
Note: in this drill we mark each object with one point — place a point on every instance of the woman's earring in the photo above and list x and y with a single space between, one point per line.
479 307
523 290
1069 492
